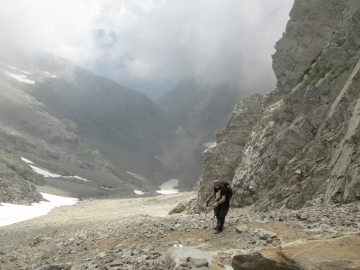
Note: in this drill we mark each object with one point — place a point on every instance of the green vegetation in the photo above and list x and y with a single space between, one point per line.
17 180
294 164
8 166
142 181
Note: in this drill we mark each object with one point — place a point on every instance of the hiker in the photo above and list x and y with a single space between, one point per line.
221 206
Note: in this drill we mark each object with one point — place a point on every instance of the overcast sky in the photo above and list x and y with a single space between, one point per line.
149 45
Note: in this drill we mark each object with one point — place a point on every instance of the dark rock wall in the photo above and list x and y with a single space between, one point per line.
300 141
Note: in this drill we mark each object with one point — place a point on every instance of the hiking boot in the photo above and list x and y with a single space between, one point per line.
217 231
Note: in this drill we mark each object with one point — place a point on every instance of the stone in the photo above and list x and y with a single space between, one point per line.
266 260
264 234
241 228
338 253
178 254
199 262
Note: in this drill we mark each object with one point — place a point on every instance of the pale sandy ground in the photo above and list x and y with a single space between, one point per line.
157 206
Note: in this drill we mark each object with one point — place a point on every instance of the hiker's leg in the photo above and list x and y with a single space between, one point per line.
217 214
224 208
217 224
221 224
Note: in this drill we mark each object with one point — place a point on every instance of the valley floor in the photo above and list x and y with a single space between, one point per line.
136 233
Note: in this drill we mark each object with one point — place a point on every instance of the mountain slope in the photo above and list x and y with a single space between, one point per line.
17 181
200 109
121 123
28 130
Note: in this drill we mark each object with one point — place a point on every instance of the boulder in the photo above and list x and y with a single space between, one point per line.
339 253
178 256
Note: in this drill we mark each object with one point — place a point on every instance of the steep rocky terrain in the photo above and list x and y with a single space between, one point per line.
300 141
18 181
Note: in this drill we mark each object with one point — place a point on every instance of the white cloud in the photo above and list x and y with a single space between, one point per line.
153 40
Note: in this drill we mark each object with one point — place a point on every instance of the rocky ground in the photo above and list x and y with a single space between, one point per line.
137 233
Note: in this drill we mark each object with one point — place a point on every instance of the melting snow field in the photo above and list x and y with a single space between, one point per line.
25 72
20 78
167 187
13 213
49 174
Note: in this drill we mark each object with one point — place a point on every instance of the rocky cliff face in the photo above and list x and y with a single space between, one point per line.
299 142
17 181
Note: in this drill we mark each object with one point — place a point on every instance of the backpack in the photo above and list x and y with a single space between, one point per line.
229 191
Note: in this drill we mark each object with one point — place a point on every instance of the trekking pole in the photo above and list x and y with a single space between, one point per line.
206 212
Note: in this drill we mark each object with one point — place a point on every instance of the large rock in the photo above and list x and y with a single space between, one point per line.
178 256
266 260
338 253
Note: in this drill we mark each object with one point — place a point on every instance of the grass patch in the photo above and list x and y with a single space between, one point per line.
294 164
143 181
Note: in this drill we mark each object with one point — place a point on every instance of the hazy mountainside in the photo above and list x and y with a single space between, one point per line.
300 142
201 110
121 123
28 130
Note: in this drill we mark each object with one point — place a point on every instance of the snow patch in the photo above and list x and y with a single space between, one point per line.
210 144
43 172
167 187
25 72
49 174
49 74
14 213
27 161
106 188
20 78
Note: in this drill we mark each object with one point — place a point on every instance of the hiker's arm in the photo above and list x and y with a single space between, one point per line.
209 198
222 200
